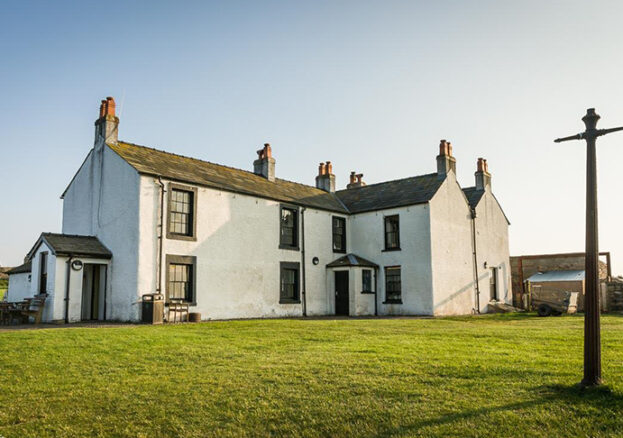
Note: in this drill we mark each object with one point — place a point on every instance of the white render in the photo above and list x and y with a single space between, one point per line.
238 256
19 287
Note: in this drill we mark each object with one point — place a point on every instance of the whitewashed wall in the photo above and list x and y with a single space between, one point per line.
19 287
102 201
492 248
52 283
451 249
367 237
237 252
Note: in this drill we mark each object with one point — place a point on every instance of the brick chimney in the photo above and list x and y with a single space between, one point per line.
445 161
483 177
107 125
356 180
265 163
325 179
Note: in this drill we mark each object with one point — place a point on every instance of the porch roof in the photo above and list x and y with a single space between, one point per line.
21 269
352 260
73 245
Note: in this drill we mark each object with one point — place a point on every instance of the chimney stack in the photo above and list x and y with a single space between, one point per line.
107 125
265 163
325 179
483 177
356 180
445 161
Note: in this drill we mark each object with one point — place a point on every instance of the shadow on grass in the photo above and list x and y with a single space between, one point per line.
602 398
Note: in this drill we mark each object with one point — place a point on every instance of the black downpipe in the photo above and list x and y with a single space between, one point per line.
105 288
303 289
160 235
475 257
67 284
376 292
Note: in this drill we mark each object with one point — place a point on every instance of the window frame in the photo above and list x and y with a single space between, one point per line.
296 229
283 266
43 263
172 259
343 235
392 300
390 218
370 290
193 226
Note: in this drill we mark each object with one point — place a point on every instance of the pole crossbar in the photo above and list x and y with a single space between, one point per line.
592 334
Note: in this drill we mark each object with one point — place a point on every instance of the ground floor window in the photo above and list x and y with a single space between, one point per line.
290 289
366 280
181 274
393 286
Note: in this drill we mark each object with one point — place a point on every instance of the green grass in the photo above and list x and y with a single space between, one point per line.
509 375
4 285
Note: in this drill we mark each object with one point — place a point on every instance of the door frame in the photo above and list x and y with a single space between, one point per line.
345 273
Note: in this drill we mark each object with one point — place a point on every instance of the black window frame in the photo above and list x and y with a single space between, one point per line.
43 272
364 289
393 300
290 266
191 261
192 228
389 219
295 229
341 237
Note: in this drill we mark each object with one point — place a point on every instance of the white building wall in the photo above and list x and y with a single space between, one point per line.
51 287
367 239
451 249
19 287
102 201
492 249
237 251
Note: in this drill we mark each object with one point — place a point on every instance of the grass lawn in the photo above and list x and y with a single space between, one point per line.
508 375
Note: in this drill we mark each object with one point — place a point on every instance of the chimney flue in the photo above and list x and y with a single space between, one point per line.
265 163
325 179
445 161
356 180
107 125
483 177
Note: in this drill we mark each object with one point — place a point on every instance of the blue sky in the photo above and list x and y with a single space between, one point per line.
371 86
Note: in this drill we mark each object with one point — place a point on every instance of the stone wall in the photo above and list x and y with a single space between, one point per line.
614 295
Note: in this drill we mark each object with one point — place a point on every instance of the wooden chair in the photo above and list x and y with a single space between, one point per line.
177 305
34 308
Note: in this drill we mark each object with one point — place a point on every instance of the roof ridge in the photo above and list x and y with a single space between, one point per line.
389 181
216 164
47 233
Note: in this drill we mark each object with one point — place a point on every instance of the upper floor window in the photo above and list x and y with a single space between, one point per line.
182 212
339 234
180 278
393 285
289 228
392 232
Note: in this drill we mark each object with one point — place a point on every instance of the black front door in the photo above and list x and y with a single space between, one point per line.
341 293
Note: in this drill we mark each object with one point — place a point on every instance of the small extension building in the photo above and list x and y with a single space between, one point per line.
239 244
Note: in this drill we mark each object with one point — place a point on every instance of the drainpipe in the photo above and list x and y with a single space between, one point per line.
376 291
303 289
475 257
161 232
67 284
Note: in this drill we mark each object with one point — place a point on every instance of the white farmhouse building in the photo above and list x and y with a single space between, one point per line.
240 244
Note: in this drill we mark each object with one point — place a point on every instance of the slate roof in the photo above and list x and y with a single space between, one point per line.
68 244
21 269
179 168
351 260
473 195
390 194
572 275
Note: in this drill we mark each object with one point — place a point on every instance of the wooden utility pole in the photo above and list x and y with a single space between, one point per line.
592 336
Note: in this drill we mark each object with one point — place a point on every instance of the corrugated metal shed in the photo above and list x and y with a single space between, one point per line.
540 277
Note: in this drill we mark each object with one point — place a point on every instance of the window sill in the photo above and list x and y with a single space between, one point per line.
289 301
193 304
392 302
340 251
291 248
172 236
391 249
368 292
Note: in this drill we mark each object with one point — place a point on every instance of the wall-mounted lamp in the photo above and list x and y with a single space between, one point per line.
315 260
